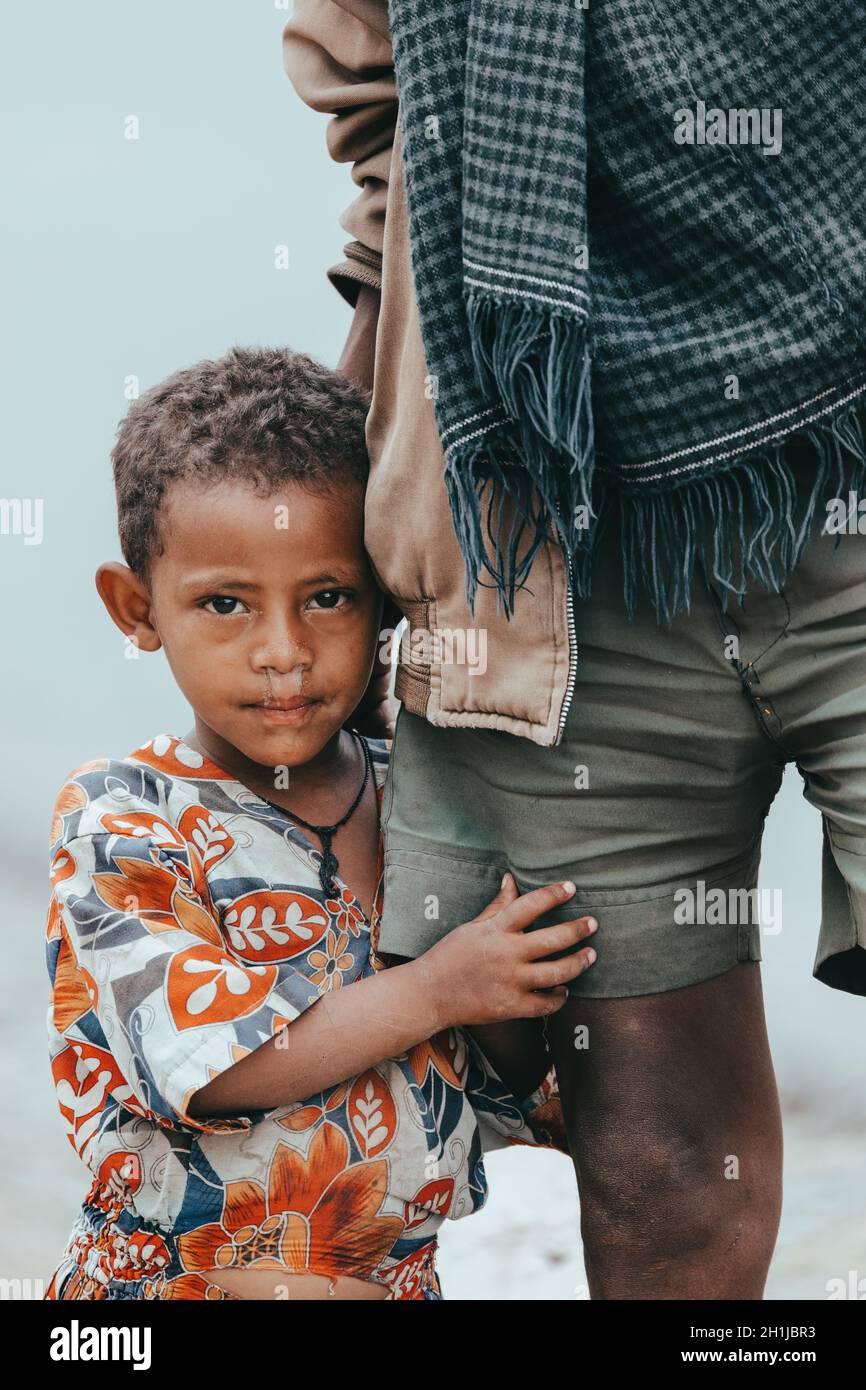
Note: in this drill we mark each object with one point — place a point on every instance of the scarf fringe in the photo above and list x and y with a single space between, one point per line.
538 365
756 504
750 522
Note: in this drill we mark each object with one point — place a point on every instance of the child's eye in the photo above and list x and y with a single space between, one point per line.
223 604
330 598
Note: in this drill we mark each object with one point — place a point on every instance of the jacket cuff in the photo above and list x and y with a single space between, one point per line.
361 266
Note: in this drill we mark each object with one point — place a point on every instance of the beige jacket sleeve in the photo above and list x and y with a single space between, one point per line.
339 59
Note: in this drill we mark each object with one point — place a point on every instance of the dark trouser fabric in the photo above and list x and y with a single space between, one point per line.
654 803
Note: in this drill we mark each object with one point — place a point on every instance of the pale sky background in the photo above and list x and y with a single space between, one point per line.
134 258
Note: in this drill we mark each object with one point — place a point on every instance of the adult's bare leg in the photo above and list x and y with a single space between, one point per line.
675 1131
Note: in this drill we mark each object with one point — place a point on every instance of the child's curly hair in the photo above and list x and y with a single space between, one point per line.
266 415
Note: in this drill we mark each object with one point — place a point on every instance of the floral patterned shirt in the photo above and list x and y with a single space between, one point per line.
187 925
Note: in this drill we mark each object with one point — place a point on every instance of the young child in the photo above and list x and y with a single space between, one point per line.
266 1110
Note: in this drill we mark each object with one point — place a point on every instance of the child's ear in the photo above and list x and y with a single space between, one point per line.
128 602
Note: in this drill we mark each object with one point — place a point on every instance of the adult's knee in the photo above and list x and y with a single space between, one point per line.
654 1205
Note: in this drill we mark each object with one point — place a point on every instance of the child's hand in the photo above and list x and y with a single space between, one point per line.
491 969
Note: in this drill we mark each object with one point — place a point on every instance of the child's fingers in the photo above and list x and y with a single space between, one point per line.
507 893
547 974
524 910
543 941
538 1005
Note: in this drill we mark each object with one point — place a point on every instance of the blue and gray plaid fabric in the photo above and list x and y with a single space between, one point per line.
630 306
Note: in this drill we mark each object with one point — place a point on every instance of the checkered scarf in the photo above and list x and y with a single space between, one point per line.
621 320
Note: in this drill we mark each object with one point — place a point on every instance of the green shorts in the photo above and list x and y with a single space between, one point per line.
654 803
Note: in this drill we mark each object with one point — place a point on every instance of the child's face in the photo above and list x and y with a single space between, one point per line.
261 600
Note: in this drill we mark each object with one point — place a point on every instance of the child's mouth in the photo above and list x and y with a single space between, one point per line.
285 711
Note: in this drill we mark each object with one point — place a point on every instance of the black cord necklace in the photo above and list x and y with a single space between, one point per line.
329 863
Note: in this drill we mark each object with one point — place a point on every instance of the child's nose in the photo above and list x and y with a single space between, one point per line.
279 645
